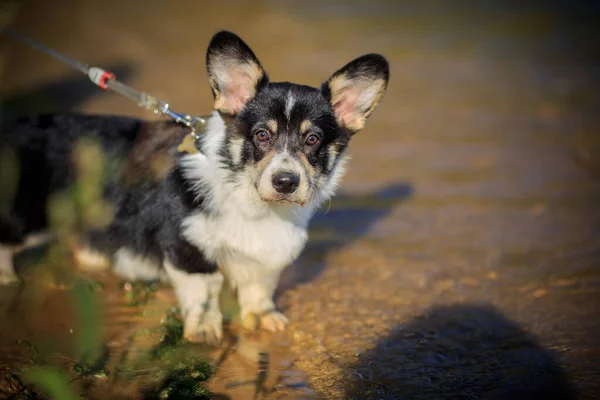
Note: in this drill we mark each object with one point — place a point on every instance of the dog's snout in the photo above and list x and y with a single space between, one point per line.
286 182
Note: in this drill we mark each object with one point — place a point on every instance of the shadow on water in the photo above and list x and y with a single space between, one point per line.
346 219
459 352
60 95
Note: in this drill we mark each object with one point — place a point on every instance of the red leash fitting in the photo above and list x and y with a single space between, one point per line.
106 75
100 76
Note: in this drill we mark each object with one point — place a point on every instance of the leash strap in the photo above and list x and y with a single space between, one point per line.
107 81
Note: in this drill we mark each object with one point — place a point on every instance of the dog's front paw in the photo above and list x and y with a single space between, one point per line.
206 329
273 321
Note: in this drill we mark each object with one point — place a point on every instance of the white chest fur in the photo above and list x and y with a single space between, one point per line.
271 241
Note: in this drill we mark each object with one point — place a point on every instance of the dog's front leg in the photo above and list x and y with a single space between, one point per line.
256 303
256 284
198 295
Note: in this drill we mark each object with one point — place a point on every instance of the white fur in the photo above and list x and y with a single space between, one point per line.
34 240
251 240
329 184
132 266
90 259
198 296
289 104
7 254
7 271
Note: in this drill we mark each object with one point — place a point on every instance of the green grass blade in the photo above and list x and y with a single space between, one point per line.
89 324
52 382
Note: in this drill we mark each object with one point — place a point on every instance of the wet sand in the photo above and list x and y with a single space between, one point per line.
462 256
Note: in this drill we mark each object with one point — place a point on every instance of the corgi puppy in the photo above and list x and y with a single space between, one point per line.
237 209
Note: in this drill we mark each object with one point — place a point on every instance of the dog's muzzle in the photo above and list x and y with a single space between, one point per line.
284 180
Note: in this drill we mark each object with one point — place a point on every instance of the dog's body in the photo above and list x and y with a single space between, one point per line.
239 208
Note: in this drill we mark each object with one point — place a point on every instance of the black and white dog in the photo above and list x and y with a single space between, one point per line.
272 152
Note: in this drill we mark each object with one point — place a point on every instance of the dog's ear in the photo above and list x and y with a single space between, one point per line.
355 90
235 74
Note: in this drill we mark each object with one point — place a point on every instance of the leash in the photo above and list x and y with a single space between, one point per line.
106 80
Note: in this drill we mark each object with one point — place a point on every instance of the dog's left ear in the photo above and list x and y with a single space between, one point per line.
355 90
235 74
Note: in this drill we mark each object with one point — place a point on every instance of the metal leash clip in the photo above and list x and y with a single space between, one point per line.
193 122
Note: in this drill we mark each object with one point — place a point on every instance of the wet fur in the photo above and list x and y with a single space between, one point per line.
193 219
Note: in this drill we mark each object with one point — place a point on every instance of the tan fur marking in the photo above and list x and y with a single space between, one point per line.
332 152
337 84
357 124
188 145
310 170
272 125
262 164
305 127
220 104
213 87
253 70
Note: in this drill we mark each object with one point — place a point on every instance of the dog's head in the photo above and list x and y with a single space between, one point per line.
290 139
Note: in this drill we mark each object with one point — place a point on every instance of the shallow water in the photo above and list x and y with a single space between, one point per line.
40 313
462 257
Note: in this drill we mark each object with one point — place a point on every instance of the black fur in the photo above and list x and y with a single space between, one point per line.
149 214
150 224
44 146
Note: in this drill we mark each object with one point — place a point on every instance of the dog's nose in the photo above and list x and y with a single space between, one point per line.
285 182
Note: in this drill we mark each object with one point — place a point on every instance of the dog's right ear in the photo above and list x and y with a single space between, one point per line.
234 73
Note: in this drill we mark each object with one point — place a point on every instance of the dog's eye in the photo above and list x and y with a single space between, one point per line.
312 140
262 136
